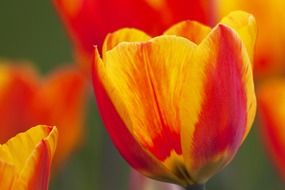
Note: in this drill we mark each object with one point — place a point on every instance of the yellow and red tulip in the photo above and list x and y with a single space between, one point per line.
271 96
25 160
88 21
178 106
27 100
270 57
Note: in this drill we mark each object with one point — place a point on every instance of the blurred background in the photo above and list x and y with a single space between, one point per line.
30 30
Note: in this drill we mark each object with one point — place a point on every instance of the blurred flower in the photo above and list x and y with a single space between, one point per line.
27 100
270 57
89 21
178 108
25 160
271 96
139 182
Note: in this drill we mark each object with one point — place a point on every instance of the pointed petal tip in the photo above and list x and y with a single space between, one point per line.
244 25
27 157
123 35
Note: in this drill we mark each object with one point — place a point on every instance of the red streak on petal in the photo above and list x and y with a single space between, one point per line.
40 178
223 116
165 136
164 143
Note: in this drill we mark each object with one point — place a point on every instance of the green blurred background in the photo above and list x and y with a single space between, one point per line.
30 30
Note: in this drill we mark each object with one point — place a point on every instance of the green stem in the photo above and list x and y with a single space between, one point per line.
196 187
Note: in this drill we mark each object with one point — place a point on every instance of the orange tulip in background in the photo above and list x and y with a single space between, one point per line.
27 100
178 106
89 21
271 97
139 182
25 160
270 45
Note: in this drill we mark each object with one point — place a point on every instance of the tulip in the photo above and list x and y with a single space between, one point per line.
88 21
26 100
271 96
178 106
25 159
139 182
270 57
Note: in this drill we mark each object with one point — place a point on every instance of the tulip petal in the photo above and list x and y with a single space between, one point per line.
224 103
135 153
244 24
123 35
192 30
4 76
7 175
30 154
149 76
17 89
37 168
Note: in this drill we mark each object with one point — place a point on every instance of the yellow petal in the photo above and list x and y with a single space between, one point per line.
134 153
30 154
149 76
192 30
7 175
123 35
35 174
